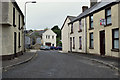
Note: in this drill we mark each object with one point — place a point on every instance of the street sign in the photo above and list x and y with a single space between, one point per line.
102 22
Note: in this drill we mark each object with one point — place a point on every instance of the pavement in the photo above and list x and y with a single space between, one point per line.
111 62
27 56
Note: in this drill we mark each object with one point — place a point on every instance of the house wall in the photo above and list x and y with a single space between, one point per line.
108 32
51 33
77 34
65 36
8 32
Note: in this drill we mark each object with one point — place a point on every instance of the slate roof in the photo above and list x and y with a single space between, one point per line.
94 9
70 17
40 32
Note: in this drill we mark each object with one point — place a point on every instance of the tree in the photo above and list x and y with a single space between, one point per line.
57 30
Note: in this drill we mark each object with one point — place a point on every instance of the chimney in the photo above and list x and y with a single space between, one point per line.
84 8
92 2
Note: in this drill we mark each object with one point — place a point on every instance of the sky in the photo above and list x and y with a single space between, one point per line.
48 13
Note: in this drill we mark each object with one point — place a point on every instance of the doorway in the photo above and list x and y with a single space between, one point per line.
102 42
15 45
70 44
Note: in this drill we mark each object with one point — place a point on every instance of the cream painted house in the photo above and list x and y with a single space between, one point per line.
11 30
100 30
65 32
103 37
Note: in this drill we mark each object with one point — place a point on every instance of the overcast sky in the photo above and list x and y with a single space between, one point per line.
48 13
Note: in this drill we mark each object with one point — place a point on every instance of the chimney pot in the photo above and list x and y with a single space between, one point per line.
84 8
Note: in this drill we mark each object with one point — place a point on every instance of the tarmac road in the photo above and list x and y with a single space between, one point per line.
51 64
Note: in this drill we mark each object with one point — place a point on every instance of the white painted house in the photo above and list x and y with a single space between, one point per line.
43 37
65 32
49 38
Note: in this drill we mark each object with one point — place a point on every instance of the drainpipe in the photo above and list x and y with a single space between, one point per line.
85 23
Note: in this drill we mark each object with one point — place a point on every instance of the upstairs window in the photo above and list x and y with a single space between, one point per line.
14 17
19 23
91 22
80 26
48 36
108 16
71 28
115 39
52 37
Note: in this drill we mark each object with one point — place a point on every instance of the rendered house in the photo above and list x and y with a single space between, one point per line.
43 37
65 32
100 32
11 30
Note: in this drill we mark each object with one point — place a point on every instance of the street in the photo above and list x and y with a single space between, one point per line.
52 64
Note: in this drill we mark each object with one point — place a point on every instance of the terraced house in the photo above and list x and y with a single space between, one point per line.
100 29
11 30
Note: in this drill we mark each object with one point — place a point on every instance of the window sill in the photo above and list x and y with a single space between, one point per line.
14 25
91 48
91 28
80 31
115 50
80 48
108 25
71 33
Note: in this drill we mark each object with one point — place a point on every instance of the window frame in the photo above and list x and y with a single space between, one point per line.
19 22
113 39
80 42
73 42
106 16
90 21
71 28
80 25
14 15
90 44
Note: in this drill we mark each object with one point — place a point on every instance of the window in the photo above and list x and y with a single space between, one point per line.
52 37
91 22
48 36
19 41
108 16
80 42
80 26
115 39
73 42
91 41
19 23
71 28
14 17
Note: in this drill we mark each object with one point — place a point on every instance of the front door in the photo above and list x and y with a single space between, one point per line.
102 42
15 45
70 44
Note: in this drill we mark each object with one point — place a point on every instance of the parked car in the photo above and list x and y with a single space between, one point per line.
44 47
52 47
58 48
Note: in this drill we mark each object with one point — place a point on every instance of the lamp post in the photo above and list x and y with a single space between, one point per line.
25 20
